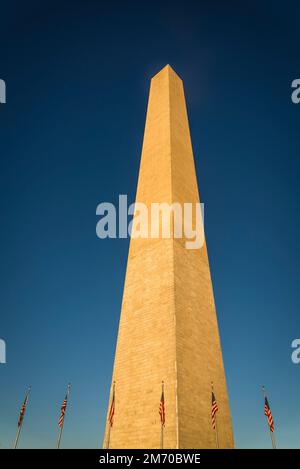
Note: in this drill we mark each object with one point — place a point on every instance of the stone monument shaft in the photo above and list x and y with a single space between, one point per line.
168 328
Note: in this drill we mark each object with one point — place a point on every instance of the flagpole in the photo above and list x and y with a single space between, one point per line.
21 423
272 434
62 424
17 437
109 423
273 440
108 437
216 430
216 422
162 425
59 436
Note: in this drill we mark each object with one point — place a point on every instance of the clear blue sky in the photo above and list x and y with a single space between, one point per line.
77 77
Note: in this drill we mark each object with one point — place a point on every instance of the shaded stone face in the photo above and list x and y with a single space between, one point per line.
168 327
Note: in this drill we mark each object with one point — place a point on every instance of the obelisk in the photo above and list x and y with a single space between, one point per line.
168 327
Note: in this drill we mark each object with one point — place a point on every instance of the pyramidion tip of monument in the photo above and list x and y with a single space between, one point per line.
167 69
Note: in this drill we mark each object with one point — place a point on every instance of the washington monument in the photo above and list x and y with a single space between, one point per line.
168 327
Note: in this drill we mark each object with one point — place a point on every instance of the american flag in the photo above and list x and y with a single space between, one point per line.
162 411
23 409
112 409
269 416
63 411
214 410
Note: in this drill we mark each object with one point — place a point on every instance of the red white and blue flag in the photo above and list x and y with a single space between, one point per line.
112 409
214 410
63 410
162 411
269 416
23 410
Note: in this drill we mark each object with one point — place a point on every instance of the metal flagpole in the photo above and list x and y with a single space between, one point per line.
108 437
273 440
59 436
215 417
216 430
17 437
272 434
21 423
62 424
111 415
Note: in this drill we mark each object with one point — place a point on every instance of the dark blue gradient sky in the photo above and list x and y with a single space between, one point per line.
77 77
